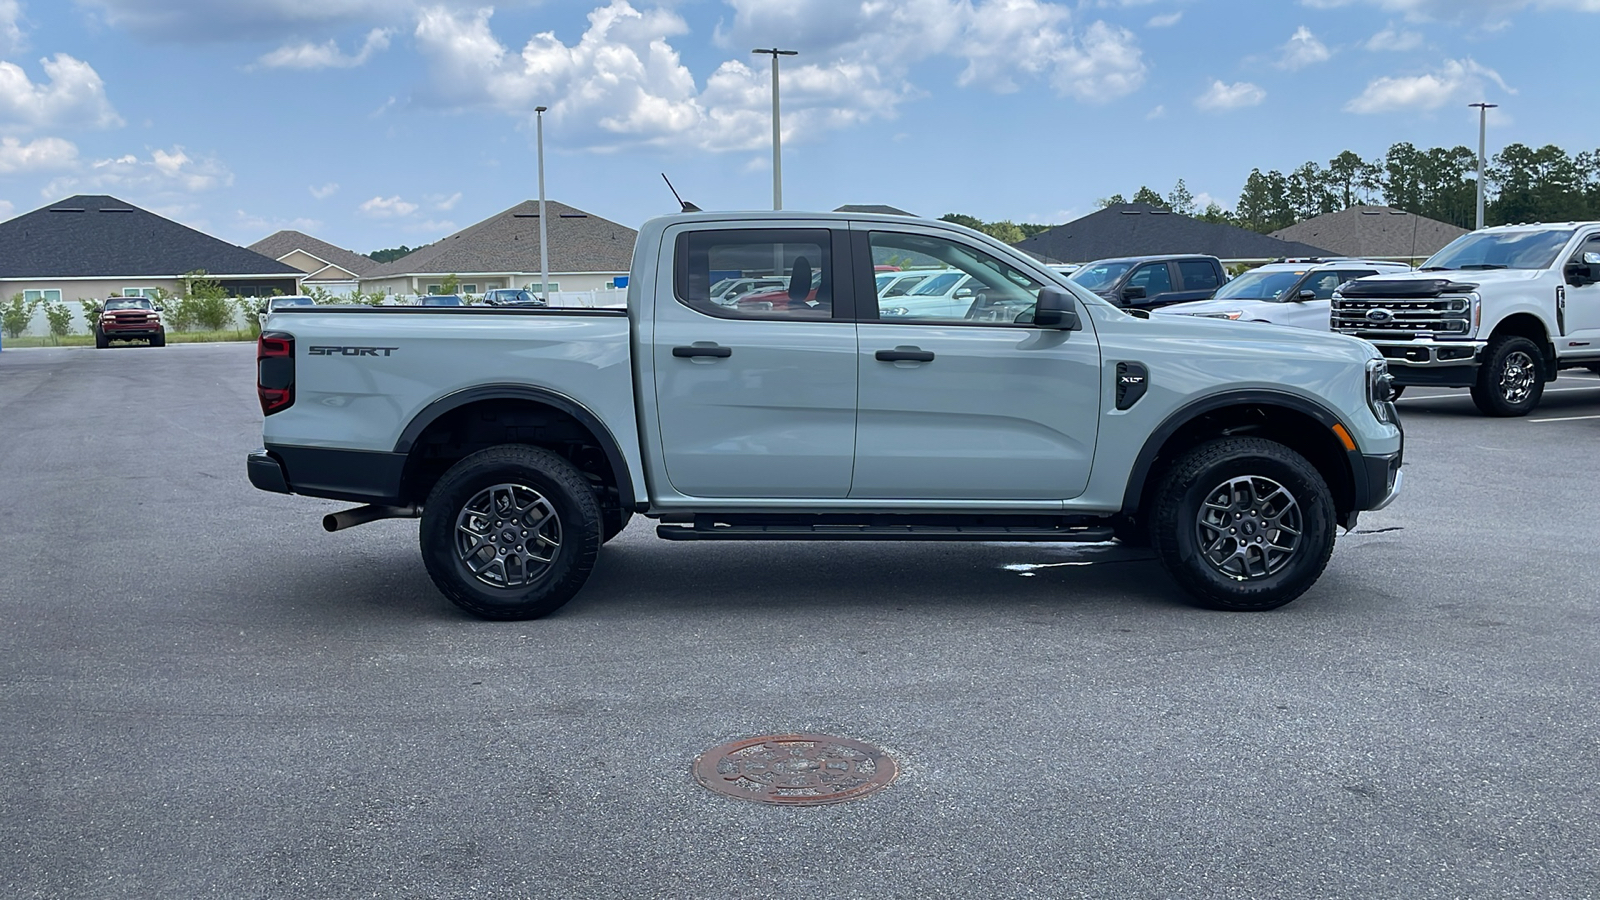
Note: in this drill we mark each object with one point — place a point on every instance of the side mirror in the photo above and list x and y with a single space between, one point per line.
1306 295
1134 292
963 293
1578 274
159 309
1056 309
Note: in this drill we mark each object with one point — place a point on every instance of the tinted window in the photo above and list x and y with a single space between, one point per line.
1153 278
1198 275
1099 276
1320 284
796 263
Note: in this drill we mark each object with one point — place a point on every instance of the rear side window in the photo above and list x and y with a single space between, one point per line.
1153 278
1198 275
795 265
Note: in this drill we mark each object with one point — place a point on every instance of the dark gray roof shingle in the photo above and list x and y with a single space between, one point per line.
285 242
1379 231
509 242
1138 229
95 236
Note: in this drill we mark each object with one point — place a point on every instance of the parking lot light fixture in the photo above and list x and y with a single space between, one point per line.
544 259
777 135
1483 124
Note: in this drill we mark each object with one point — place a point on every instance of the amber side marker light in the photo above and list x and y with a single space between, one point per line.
1344 437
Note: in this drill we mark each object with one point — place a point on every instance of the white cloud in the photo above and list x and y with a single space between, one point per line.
326 55
1392 39
1159 112
7 208
325 191
1303 49
165 172
1165 21
246 20
41 155
388 208
1221 96
443 203
1457 81
73 95
11 37
1491 12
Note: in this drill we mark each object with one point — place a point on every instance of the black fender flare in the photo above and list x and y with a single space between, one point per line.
585 416
1183 415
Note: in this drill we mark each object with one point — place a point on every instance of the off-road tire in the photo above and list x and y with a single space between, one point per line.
159 340
1196 477
540 473
101 342
1504 388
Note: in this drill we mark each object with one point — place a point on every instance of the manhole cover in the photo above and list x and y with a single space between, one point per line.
795 769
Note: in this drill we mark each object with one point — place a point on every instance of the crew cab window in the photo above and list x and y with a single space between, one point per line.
963 284
796 265
1321 284
1198 275
1153 278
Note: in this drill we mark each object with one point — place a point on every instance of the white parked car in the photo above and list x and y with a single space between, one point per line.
729 290
895 284
1288 293
944 293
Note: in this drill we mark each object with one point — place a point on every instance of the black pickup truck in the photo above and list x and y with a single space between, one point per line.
1146 282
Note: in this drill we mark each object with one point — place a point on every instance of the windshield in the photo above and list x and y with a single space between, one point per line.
1501 250
936 285
884 280
1100 276
724 284
1258 285
129 304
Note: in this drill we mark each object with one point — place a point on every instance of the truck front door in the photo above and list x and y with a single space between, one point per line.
757 400
1582 316
974 405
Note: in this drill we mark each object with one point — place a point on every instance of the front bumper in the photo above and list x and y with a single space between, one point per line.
1381 483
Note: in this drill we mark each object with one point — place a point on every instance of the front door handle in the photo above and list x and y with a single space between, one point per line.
712 351
904 354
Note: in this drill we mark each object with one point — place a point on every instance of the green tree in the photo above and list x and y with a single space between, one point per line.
1216 215
91 313
1181 200
206 300
1350 179
450 285
60 318
393 253
1264 203
1146 195
1113 200
961 219
1005 231
1308 193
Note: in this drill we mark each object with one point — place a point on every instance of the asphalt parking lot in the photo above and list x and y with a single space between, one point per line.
205 695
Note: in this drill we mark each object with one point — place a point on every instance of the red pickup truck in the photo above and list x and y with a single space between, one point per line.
129 319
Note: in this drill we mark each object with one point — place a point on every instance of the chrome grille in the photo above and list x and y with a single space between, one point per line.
1383 318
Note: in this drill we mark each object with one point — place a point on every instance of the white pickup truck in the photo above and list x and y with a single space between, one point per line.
1500 311
526 438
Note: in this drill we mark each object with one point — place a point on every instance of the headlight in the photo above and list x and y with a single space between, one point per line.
1380 390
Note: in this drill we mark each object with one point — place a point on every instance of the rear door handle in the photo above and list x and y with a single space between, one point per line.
692 352
904 354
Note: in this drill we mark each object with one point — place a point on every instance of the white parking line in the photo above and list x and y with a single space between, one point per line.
1565 419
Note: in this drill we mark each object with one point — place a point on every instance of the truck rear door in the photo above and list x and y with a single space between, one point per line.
758 399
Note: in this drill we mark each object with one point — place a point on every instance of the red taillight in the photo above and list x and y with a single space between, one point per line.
275 371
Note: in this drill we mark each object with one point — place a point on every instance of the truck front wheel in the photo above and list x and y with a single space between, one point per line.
511 532
1243 524
1511 379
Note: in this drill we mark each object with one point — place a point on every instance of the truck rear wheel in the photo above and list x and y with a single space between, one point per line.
1243 524
511 532
1511 379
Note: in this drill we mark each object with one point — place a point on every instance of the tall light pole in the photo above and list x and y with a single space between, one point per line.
777 135
544 259
1483 126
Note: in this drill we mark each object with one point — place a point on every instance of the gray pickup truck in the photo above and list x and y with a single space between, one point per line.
526 438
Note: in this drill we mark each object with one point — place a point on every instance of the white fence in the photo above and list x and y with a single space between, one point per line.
39 325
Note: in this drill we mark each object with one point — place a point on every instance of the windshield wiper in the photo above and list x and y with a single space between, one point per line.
1485 266
1434 269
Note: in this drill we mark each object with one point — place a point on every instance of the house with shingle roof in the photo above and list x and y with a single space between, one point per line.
331 268
89 247
1139 229
1375 232
586 253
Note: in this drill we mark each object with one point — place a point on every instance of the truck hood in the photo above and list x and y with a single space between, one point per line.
1256 339
1464 276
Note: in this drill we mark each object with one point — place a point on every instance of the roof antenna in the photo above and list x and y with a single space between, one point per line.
687 207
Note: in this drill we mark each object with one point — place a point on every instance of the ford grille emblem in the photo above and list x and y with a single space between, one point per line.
1379 315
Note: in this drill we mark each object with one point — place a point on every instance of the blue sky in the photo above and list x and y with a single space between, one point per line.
374 123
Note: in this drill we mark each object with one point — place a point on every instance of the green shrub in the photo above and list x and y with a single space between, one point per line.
16 315
60 318
91 313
